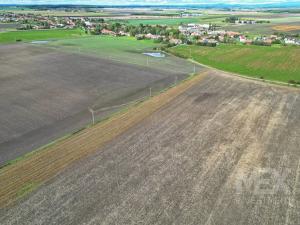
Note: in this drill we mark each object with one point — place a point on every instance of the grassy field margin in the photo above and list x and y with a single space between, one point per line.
27 174
233 60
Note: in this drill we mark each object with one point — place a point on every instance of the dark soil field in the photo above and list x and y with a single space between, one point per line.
45 94
226 151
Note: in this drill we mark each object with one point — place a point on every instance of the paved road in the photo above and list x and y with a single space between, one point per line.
224 152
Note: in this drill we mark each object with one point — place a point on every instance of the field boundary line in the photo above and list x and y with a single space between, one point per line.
46 163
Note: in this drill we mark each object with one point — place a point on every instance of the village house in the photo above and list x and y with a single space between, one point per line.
108 32
242 39
216 32
208 42
195 29
122 33
245 22
153 36
175 41
291 41
232 34
190 14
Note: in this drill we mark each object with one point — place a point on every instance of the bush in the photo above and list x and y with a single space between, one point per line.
207 44
276 42
169 45
140 38
292 82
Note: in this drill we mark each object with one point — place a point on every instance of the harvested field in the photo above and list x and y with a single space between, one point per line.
184 164
286 28
45 94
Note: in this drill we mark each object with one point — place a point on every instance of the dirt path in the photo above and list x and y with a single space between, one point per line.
225 151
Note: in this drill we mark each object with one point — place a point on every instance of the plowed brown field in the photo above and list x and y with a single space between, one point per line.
45 93
44 164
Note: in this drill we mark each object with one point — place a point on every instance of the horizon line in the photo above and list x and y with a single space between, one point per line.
143 4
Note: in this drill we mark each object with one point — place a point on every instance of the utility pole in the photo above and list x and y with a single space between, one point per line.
150 92
191 53
194 68
176 78
93 116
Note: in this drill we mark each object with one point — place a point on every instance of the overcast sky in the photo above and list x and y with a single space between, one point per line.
126 2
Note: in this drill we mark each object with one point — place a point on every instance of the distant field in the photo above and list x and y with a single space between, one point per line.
13 36
277 21
177 21
107 44
166 21
286 27
56 12
272 63
7 26
124 49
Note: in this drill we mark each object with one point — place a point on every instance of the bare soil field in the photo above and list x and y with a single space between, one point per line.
226 151
45 94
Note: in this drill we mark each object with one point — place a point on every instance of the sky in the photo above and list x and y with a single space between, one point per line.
150 2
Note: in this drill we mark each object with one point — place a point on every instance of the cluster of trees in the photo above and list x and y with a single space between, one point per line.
261 43
207 44
231 19
294 82
263 21
138 30
284 35
26 27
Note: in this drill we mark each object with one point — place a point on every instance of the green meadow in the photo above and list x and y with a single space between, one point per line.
123 49
106 45
13 36
272 63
